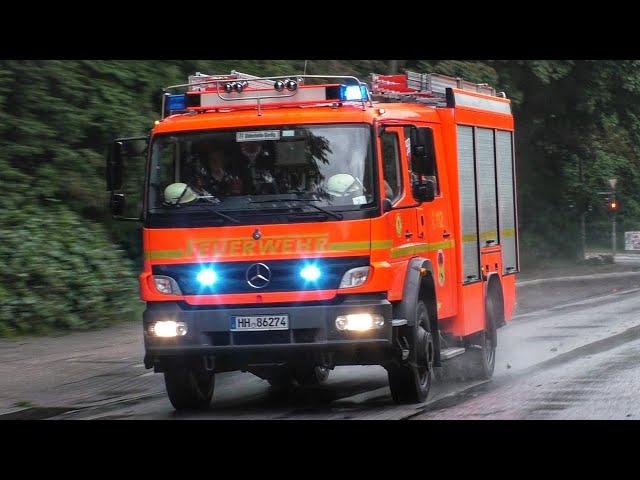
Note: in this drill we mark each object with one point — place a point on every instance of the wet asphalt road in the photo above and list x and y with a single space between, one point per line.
601 386
578 360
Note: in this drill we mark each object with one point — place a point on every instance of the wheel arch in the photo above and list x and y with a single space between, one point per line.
494 288
419 286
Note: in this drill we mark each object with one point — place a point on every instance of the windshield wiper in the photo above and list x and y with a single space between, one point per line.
210 208
306 202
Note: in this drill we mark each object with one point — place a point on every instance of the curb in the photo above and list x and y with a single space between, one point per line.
579 278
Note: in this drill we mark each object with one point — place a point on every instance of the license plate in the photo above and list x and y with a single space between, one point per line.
260 322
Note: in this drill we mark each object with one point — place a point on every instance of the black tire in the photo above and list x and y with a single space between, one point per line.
189 388
279 377
410 383
480 360
311 375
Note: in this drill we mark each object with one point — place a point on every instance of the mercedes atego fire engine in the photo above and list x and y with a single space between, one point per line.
293 224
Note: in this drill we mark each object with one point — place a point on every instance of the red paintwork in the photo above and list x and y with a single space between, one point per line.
460 308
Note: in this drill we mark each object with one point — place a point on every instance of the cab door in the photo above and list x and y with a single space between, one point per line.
401 218
433 219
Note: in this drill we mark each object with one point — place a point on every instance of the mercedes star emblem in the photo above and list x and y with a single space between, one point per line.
258 275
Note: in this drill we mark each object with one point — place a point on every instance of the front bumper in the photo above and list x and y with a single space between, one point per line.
311 329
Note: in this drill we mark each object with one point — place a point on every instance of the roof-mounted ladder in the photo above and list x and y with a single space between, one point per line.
428 88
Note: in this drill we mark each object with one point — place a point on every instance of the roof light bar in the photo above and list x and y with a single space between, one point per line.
238 89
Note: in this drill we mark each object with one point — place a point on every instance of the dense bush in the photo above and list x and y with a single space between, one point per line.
60 272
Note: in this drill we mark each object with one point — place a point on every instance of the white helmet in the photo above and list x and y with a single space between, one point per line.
343 184
179 192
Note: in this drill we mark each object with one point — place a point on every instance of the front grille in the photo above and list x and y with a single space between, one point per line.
261 338
285 275
220 339
301 335
305 335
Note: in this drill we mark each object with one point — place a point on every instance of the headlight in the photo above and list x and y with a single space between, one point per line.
359 322
166 285
168 328
355 277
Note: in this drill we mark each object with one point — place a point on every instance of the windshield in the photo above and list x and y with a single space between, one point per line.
325 167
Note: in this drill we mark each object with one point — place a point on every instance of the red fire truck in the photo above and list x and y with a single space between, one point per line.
293 224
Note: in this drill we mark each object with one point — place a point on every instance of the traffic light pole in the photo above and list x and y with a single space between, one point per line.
614 208
613 235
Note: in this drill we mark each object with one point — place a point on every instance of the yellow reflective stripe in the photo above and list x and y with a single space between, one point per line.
490 235
337 246
162 254
375 245
469 237
381 244
442 245
408 250
504 233
508 232
349 245
421 248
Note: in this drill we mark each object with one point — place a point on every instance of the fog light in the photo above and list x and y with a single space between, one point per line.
168 328
359 321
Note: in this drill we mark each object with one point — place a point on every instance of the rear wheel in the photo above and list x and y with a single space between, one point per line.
189 387
481 355
410 382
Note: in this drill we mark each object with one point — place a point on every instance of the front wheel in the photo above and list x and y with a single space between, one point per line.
189 388
311 375
410 382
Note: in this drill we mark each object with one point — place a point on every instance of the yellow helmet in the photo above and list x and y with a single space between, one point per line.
179 192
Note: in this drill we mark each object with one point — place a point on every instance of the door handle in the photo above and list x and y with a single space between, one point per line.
408 234
446 234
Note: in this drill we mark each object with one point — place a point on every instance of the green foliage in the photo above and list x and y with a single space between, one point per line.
70 266
59 270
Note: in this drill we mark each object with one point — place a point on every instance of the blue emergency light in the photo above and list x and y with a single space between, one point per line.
176 103
353 92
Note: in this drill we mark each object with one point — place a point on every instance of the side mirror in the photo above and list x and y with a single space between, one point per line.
386 205
117 204
121 148
424 192
114 166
